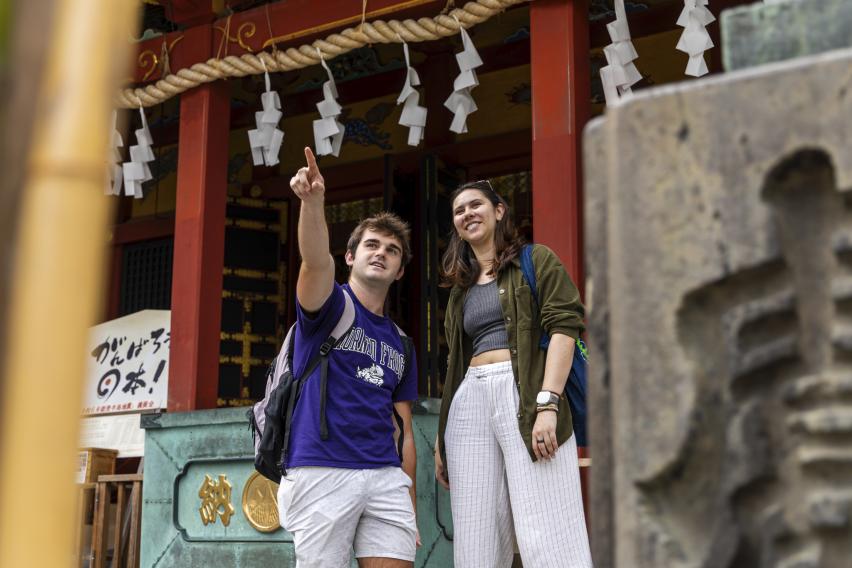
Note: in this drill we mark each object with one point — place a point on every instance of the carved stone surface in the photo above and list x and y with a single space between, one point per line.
764 33
720 260
597 304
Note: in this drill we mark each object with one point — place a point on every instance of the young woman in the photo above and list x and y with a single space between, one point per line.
505 447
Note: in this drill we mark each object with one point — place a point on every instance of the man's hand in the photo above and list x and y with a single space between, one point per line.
308 183
316 274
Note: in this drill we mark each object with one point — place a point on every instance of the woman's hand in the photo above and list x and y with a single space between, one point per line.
544 435
440 473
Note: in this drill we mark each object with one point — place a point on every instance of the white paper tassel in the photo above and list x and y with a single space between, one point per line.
266 139
695 40
328 131
460 101
113 186
136 171
620 73
413 115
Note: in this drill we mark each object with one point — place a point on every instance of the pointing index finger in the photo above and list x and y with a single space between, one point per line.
313 170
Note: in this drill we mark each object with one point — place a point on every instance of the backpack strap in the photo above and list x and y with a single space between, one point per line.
407 348
344 324
285 358
528 270
347 320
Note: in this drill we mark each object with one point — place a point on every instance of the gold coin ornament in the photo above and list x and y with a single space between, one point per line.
260 503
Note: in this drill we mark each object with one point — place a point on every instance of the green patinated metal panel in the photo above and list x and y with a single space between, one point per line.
434 519
185 455
765 33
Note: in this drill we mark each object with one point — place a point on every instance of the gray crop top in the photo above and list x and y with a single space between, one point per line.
483 318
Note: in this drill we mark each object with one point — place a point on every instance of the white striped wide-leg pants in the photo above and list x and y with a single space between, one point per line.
494 483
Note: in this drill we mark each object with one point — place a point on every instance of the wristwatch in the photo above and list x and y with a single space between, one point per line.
546 397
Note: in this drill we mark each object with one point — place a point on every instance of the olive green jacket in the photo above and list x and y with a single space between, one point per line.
561 312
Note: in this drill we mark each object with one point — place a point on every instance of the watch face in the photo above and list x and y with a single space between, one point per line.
542 398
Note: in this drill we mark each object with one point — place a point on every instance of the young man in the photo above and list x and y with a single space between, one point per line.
348 489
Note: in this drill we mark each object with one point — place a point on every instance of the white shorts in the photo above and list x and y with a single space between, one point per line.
331 510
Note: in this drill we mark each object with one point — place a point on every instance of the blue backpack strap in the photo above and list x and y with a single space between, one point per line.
528 269
575 386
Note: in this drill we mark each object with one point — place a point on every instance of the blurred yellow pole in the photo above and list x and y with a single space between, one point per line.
58 279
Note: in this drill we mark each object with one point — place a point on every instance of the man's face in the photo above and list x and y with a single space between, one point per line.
378 258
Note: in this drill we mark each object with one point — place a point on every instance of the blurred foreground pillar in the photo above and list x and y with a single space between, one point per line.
57 278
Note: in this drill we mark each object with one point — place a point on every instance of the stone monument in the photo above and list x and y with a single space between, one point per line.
783 29
719 247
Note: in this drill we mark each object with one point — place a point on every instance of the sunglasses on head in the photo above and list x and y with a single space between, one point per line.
481 183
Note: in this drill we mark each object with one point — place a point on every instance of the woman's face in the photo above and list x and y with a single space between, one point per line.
475 217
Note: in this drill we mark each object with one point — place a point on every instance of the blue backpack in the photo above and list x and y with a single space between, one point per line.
575 387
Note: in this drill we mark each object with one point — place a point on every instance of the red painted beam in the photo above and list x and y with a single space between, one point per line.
301 19
292 22
191 12
561 95
199 246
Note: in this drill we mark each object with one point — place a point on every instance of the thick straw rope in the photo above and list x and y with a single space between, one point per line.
378 31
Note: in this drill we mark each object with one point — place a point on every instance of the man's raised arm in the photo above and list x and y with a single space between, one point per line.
316 275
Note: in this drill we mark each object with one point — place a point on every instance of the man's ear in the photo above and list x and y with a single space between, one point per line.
400 273
350 260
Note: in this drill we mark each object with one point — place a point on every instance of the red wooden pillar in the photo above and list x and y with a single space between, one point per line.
199 240
561 101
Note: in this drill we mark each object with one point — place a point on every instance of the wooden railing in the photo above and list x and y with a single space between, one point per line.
112 507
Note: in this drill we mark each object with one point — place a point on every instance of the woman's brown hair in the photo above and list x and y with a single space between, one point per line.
458 265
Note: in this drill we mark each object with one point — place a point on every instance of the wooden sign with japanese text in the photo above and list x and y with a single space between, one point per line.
128 364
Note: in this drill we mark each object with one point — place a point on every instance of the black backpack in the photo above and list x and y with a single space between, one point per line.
270 419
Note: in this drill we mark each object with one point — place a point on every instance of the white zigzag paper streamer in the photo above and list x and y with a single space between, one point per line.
695 40
113 185
413 115
620 73
328 131
266 139
460 100
136 171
